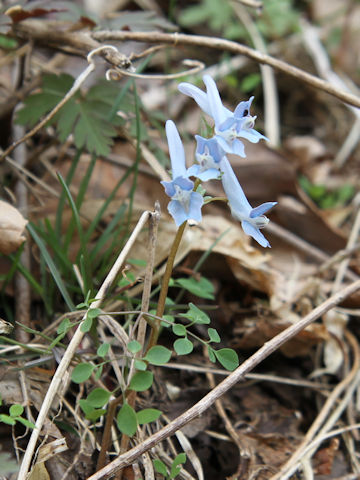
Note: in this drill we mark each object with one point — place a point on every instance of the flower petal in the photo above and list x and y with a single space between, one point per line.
255 234
176 150
209 174
238 148
178 212
226 124
261 209
208 152
243 108
196 202
252 135
169 188
193 171
184 183
223 144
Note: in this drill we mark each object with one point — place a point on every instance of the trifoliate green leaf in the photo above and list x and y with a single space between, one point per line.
202 288
196 315
126 420
160 467
148 415
228 358
179 330
103 350
134 346
183 346
141 381
16 410
158 355
82 372
98 397
213 335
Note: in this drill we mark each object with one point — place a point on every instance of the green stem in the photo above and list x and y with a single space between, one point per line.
165 286
216 199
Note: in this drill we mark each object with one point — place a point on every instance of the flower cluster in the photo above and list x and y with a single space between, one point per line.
212 162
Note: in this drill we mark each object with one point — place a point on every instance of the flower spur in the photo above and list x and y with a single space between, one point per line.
252 219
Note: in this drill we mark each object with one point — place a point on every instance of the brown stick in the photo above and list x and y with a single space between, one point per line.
200 407
233 47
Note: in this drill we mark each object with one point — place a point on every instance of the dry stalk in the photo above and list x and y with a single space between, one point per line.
22 286
72 347
141 334
200 407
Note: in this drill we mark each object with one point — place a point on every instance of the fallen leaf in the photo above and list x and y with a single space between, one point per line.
12 225
5 327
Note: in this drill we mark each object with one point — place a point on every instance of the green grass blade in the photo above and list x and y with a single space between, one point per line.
52 267
87 279
108 232
85 182
61 204
105 205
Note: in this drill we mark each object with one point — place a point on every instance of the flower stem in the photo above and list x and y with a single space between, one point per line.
165 286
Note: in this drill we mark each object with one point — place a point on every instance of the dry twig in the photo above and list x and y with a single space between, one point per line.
233 47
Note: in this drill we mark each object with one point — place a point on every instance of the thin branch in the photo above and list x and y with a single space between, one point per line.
200 407
177 39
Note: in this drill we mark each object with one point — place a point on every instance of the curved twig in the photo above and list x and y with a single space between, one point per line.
195 67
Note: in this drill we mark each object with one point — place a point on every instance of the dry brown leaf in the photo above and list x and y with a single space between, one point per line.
248 263
255 333
12 225
46 452
5 327
37 384
308 224
39 472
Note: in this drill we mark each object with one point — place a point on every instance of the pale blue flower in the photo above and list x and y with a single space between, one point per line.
252 219
229 126
185 204
208 155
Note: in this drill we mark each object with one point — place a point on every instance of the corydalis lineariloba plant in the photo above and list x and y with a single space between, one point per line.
212 163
